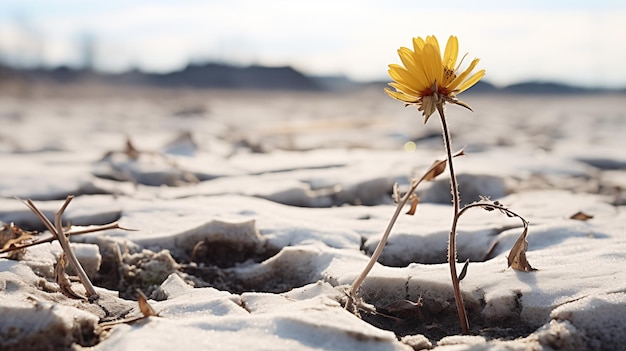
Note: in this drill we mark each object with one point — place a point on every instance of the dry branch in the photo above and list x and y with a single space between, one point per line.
58 232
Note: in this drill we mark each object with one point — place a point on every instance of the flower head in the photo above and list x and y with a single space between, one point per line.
428 79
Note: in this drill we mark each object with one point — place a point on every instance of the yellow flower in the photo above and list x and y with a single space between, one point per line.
428 79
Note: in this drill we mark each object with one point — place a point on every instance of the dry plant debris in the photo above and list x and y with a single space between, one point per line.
13 240
145 308
517 257
58 232
62 280
581 216
26 236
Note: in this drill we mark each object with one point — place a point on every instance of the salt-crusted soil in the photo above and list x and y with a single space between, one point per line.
252 212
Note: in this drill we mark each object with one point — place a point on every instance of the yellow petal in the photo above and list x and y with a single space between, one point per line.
432 40
461 77
401 96
432 64
471 81
404 89
402 76
418 44
408 58
414 65
451 53
399 74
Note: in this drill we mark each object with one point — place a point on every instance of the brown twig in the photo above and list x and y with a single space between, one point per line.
51 238
65 244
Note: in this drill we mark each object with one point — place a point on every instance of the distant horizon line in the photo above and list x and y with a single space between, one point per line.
485 83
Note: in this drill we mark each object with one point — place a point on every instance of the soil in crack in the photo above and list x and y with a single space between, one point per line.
436 320
211 264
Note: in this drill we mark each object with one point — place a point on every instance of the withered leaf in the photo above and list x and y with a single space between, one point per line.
436 169
414 202
581 216
144 306
15 242
517 256
61 278
130 150
464 270
439 166
12 235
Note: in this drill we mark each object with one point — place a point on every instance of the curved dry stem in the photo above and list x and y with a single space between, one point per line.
492 206
383 241
452 237
432 172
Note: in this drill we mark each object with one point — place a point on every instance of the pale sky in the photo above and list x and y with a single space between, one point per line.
576 42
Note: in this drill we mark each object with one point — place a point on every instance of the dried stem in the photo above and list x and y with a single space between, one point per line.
383 241
65 244
432 172
452 237
493 206
114 225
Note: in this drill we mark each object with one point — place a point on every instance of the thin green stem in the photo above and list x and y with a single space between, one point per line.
452 238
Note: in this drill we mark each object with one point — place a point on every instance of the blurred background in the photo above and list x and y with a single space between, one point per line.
307 45
181 92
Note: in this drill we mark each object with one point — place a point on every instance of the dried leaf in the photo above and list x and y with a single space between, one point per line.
436 169
12 238
461 103
130 150
11 235
439 166
517 256
414 202
581 216
61 278
144 306
464 270
14 242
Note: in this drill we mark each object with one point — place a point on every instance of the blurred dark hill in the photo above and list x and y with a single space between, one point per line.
230 77
225 76
547 88
211 75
